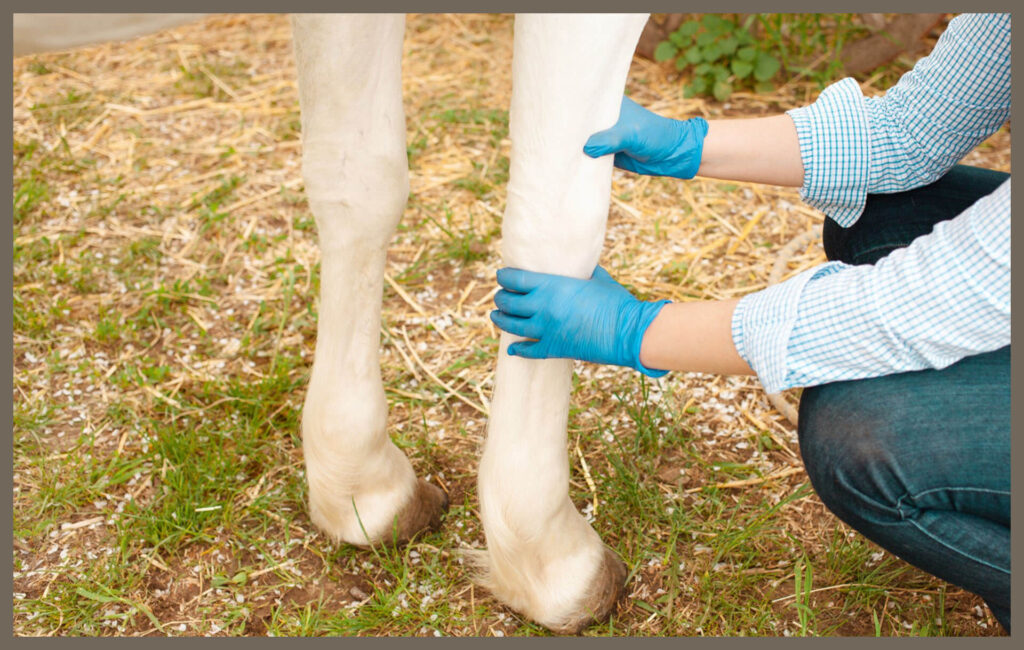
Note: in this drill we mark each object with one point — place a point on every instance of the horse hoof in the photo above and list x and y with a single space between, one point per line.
422 514
607 588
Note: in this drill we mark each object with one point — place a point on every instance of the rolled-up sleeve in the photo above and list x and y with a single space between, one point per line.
946 105
943 297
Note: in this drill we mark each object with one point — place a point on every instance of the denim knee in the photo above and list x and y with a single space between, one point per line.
919 463
873 447
845 446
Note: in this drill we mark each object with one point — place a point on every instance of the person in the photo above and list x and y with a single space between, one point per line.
901 339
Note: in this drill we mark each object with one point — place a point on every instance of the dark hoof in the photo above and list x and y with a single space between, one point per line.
606 590
422 513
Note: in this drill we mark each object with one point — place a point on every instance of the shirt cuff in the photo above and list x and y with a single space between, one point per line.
762 322
835 149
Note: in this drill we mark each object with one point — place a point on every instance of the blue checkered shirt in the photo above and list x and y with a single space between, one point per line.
947 294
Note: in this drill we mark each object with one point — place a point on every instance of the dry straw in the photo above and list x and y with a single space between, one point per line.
173 119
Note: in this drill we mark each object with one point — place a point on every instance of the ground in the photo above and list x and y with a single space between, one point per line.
165 296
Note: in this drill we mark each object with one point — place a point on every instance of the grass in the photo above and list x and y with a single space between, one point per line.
164 323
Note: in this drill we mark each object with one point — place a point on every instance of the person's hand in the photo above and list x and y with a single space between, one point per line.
594 320
647 143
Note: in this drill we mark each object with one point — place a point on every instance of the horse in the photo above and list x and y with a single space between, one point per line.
543 559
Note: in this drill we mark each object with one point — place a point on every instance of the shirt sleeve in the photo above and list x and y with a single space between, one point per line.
943 297
951 101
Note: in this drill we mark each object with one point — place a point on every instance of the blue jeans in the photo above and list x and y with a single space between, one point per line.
919 462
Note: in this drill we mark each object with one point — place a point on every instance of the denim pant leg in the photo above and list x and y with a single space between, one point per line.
919 462
891 221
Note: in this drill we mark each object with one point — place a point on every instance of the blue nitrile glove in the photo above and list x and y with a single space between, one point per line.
592 320
647 143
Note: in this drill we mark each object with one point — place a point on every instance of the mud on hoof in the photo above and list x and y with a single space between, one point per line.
422 513
607 588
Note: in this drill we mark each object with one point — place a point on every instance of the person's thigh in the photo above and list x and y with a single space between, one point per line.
919 462
891 221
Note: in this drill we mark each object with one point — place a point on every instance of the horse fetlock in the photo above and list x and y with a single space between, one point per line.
565 583
393 513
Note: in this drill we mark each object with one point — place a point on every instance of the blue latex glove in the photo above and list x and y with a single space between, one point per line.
593 320
647 143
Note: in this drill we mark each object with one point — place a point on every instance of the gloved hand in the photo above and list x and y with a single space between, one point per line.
647 143
593 320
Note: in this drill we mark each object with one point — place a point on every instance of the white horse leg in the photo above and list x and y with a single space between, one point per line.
543 559
362 488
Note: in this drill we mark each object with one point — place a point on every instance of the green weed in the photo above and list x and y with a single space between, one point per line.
724 54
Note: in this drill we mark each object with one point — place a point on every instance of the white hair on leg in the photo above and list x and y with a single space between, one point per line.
542 557
356 175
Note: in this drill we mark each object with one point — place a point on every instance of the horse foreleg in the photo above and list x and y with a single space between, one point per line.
543 558
362 488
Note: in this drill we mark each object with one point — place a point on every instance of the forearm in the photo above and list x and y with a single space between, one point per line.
694 337
759 150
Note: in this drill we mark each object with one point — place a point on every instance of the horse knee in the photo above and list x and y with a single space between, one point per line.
355 195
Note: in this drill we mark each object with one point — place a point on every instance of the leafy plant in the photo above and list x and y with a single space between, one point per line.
809 44
723 54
